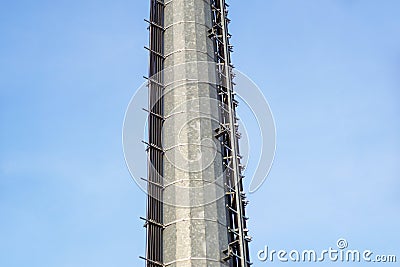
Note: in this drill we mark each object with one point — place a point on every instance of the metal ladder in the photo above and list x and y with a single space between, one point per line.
154 219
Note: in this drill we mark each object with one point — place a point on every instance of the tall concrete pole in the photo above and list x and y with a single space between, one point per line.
194 213
196 231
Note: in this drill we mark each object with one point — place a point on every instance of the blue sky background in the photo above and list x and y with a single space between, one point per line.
329 69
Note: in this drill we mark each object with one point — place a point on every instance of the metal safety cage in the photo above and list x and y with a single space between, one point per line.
154 219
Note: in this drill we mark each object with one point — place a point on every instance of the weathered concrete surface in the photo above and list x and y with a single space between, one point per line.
194 210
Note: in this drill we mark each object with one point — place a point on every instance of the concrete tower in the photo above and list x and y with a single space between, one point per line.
195 209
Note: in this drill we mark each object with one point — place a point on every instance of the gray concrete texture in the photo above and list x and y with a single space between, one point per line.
194 207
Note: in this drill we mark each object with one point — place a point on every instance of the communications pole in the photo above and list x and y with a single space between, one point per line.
196 204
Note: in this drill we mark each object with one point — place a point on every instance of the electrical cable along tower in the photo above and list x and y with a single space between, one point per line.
213 234
238 250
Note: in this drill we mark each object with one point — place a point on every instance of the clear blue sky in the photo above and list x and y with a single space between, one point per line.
329 69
